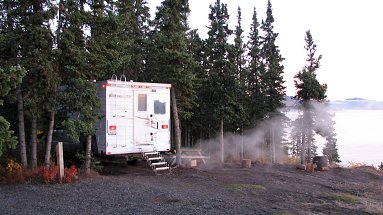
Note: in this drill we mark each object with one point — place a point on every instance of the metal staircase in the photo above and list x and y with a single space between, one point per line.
156 161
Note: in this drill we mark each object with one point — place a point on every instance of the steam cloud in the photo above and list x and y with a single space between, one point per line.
257 144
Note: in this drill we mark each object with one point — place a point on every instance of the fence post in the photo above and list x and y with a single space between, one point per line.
60 160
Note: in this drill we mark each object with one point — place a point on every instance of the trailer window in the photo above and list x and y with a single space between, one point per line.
159 107
142 100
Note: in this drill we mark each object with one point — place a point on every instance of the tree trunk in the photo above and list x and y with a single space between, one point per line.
303 149
20 114
273 146
309 131
47 159
308 148
88 151
34 143
222 143
177 127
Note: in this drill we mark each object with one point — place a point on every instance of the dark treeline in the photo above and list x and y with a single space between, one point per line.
219 86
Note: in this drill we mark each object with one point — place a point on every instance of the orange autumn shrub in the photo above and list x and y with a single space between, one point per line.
14 172
70 174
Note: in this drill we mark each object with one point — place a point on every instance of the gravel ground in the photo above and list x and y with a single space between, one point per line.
278 189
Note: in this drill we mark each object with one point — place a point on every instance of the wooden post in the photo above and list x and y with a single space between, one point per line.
60 160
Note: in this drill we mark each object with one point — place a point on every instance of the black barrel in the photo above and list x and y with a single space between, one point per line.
321 162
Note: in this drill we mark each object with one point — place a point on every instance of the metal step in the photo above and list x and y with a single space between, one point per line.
155 158
159 163
162 168
150 153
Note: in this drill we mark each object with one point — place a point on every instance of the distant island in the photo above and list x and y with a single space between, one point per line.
354 103
356 98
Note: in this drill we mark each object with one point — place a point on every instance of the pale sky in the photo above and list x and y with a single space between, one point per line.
348 33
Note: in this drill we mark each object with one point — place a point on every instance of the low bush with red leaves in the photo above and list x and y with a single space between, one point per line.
15 173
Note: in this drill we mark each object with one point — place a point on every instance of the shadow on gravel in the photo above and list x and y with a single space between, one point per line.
118 166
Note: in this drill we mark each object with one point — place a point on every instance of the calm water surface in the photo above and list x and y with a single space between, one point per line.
360 136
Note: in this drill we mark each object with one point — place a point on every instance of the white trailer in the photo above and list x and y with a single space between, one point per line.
135 117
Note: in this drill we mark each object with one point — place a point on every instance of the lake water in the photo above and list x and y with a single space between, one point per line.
360 136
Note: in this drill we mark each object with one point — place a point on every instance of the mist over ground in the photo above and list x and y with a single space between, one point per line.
355 123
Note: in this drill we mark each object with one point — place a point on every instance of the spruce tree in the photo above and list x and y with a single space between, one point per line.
82 59
272 79
221 88
195 125
312 94
37 58
10 39
170 62
255 73
134 19
105 47
238 52
71 42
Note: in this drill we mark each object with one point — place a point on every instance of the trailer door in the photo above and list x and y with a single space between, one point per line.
141 118
161 110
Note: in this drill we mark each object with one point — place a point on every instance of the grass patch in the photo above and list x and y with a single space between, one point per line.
247 188
345 198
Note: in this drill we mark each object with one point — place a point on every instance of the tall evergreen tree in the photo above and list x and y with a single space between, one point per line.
69 56
271 78
10 38
71 41
195 124
105 45
239 51
308 87
10 33
255 73
78 54
169 60
309 90
36 57
273 81
134 18
28 43
221 88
